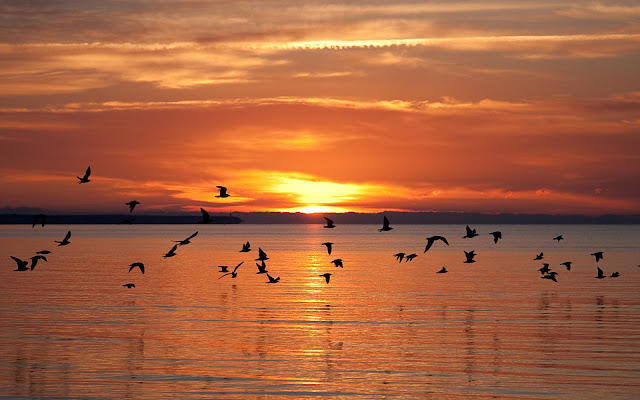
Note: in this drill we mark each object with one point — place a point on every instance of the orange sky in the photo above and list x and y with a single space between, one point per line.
495 106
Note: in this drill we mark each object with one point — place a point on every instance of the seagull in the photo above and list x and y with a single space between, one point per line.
129 285
206 219
223 192
600 274
538 257
410 257
246 248
39 217
234 273
64 241
262 256
442 271
551 275
187 240
327 276
470 255
337 262
385 225
598 256
615 275
22 265
223 268
470 233
34 260
558 238
262 268
171 252
132 204
85 178
545 269
43 252
329 223
272 279
139 265
496 235
432 239
328 244
567 264
399 256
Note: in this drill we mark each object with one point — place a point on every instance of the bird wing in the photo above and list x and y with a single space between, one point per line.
261 253
67 236
86 174
17 260
223 190
329 222
385 222
237 266
326 277
205 216
469 231
173 249
225 275
192 236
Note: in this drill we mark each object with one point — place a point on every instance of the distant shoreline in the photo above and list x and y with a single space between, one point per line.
396 217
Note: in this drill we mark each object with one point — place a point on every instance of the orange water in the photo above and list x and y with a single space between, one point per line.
379 329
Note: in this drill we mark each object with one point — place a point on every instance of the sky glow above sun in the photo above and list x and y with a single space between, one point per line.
494 106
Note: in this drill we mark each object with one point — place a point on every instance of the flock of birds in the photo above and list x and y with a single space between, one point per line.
545 271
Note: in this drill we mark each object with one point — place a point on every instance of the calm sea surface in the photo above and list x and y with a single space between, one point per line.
379 329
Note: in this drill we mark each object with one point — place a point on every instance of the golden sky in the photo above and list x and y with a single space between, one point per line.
494 106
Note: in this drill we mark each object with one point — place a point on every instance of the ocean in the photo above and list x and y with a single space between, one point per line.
380 329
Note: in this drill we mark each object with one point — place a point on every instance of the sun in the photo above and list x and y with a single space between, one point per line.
319 209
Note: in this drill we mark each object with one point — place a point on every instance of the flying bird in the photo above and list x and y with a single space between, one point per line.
551 275
329 223
539 257
545 269
262 256
171 252
432 239
223 268
137 264
223 192
262 268
234 273
600 274
22 265
470 257
496 236
442 271
246 248
615 275
598 256
39 218
399 256
85 178
385 225
337 262
187 240
64 241
132 204
206 219
272 279
129 285
328 244
43 252
34 260
470 233
410 257
567 264
558 238
327 276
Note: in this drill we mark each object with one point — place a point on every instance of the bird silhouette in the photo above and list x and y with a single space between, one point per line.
186 241
598 255
85 178
233 273
43 252
132 204
223 268
34 260
470 233
615 274
399 256
171 252
567 264
22 265
42 218
337 262
328 244
262 268
432 239
64 241
600 274
137 264
551 275
246 248
539 257
558 238
410 257
545 269
442 271
326 276
262 256
385 225
223 192
129 285
206 219
470 257
272 279
496 236
329 223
